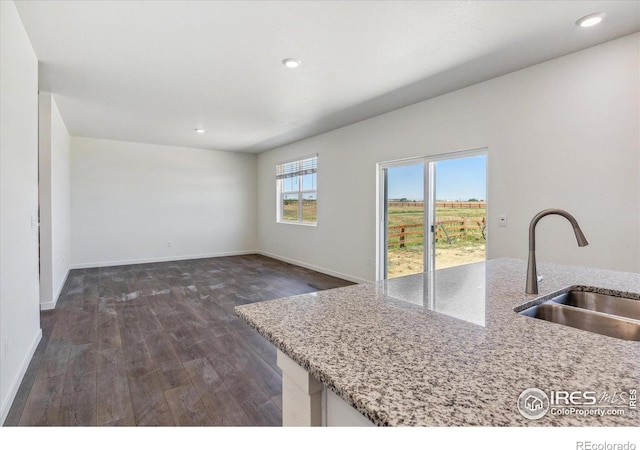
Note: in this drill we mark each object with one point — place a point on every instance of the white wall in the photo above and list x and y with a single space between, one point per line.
19 298
55 204
560 134
129 200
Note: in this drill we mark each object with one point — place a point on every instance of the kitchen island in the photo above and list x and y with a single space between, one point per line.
447 349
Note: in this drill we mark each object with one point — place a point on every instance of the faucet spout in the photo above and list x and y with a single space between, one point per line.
532 272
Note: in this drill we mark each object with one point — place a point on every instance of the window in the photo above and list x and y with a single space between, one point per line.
296 183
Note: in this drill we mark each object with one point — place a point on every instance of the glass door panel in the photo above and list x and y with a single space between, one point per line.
405 220
460 211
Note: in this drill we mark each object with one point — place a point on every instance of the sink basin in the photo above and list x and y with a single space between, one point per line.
613 314
606 303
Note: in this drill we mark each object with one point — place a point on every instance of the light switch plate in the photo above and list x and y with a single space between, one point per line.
502 220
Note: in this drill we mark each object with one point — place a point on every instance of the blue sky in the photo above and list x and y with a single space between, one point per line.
456 179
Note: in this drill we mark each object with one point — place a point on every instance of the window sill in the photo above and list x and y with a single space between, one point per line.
313 225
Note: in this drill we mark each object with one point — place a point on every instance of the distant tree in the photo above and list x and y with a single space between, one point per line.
473 200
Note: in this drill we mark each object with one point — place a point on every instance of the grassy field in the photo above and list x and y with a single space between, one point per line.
309 211
464 249
412 215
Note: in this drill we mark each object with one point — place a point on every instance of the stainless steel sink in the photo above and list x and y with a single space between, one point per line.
611 315
606 303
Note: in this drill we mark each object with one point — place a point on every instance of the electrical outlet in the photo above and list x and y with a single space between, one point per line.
502 220
368 262
170 244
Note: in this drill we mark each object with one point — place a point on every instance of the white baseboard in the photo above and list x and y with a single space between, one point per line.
13 388
93 265
324 270
47 306
52 305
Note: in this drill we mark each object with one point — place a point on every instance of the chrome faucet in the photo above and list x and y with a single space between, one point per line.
532 271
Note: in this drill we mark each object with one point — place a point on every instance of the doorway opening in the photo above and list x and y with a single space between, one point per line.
432 213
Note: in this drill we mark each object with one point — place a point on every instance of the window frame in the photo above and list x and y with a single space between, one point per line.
300 192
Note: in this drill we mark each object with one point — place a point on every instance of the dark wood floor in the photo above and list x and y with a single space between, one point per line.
159 344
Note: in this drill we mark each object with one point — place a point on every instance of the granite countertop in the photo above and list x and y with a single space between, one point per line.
447 349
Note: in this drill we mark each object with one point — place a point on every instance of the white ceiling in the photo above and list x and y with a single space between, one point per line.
148 71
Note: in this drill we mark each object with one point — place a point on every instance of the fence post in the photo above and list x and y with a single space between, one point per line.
402 237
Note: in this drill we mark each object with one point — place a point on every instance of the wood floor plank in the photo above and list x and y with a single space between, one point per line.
253 400
186 407
170 313
43 404
148 321
253 364
189 345
150 407
108 330
82 367
256 341
55 361
165 359
75 326
277 400
222 406
78 407
252 396
113 399
79 396
133 342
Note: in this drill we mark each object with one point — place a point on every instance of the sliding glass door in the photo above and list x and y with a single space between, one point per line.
432 213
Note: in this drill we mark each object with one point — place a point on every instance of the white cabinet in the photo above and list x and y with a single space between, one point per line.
306 402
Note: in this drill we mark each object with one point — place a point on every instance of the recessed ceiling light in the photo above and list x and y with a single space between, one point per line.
199 130
291 63
590 20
